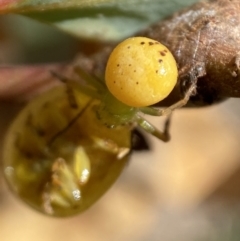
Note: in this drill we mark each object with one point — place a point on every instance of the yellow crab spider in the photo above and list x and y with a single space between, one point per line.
139 72
66 148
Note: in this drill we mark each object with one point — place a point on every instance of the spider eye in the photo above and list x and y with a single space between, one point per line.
141 72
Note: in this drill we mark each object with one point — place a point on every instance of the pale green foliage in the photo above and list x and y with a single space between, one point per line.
117 19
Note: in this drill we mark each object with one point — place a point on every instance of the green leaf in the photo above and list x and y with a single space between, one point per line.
105 20
7 6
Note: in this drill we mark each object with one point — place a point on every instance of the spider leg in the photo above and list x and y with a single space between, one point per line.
167 111
71 98
71 122
151 129
86 84
69 90
90 80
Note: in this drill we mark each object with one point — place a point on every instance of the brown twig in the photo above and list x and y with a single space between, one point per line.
205 40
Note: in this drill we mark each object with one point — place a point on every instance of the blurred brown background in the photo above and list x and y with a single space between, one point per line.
186 190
